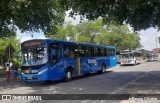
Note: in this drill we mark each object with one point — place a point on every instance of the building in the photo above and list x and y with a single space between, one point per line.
156 54
156 50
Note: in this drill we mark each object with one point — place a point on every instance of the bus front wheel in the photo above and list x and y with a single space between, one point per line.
68 75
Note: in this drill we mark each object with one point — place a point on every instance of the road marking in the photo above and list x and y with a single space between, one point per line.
116 91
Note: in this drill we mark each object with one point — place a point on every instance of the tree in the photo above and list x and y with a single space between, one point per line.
71 32
89 29
16 45
65 32
30 15
60 35
120 37
140 14
96 32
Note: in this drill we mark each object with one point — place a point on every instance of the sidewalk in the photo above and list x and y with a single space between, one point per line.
143 61
2 77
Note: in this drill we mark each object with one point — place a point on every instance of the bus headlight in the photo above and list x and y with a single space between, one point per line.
42 71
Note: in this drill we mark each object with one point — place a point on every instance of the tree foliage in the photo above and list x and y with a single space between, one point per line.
30 15
120 36
88 30
4 42
96 32
64 32
140 14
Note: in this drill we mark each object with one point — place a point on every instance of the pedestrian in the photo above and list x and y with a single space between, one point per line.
15 74
7 73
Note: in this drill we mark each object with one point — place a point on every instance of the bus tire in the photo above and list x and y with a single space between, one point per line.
47 81
103 69
68 75
135 63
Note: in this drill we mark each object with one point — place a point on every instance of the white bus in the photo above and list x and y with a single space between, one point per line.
156 57
130 57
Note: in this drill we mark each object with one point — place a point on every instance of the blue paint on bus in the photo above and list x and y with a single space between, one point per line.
46 59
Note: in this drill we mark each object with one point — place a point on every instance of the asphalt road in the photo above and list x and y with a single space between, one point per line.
138 79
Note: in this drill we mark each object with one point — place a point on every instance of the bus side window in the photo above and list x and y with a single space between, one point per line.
92 51
66 52
88 52
69 51
71 54
99 52
111 51
102 52
106 51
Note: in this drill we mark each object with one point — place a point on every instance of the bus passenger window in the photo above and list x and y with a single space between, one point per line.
92 51
99 52
105 52
68 52
87 52
102 52
95 51
71 54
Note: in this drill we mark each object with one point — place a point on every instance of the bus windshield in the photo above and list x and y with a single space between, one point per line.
34 56
127 56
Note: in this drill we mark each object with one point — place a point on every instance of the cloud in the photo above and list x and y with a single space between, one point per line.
25 39
42 37
29 38
74 21
148 38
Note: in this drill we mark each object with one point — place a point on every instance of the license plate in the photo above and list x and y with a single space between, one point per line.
124 61
29 78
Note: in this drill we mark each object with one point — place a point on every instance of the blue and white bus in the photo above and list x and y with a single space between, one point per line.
46 59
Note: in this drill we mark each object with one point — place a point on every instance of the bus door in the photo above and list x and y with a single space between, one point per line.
82 57
55 61
88 61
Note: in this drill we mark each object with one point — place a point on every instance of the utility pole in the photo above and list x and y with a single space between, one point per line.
9 53
156 41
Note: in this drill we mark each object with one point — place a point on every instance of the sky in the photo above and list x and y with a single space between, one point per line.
148 36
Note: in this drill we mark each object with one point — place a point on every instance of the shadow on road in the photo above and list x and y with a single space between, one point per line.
121 82
56 82
17 83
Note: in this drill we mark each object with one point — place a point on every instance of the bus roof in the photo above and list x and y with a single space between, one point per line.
130 51
68 42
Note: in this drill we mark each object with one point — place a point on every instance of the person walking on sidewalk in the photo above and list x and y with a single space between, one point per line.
7 73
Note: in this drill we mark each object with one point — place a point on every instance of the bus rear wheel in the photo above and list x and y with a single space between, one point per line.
103 69
68 75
